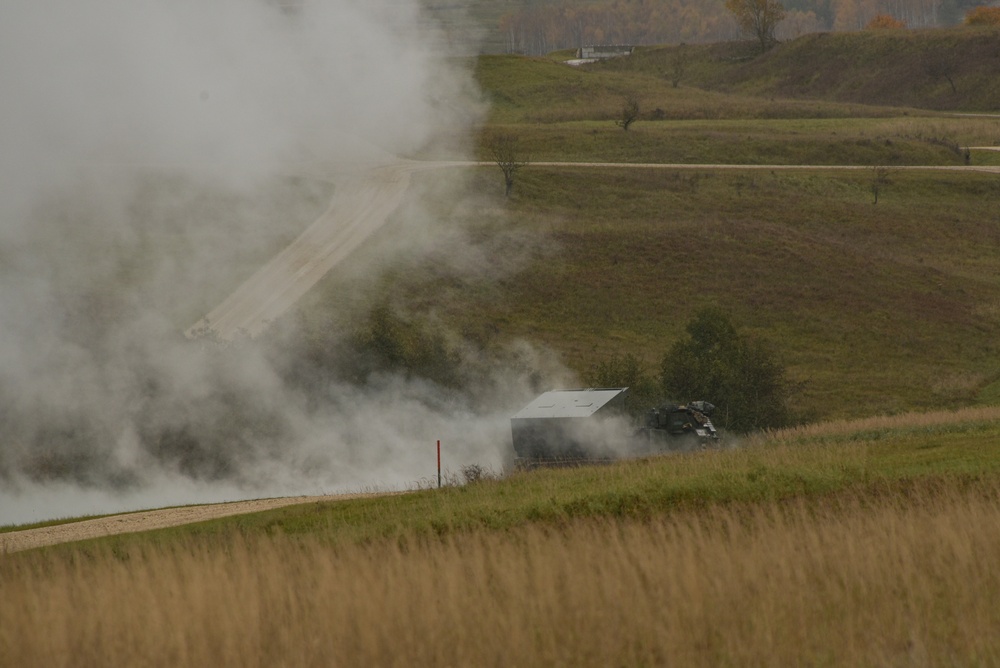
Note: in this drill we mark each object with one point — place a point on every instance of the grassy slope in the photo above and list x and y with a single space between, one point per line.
902 68
875 308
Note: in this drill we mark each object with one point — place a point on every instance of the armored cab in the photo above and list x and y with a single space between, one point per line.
680 426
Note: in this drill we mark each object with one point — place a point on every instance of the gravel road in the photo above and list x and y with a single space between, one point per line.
148 520
362 203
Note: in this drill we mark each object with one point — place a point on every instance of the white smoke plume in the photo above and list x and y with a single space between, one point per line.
144 146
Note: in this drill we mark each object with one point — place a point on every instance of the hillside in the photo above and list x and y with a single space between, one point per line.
536 28
874 308
955 69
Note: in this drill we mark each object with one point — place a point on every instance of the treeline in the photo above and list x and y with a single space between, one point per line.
541 27
537 27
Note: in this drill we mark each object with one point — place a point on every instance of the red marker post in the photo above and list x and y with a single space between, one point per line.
439 463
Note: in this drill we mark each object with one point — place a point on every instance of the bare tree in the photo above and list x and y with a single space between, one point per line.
940 66
629 112
880 179
758 19
505 149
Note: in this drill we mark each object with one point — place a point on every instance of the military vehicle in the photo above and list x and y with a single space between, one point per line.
680 427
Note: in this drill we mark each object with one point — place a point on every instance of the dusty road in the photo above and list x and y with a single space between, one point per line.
362 203
148 520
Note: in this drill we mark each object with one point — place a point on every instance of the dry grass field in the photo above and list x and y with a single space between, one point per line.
850 580
850 543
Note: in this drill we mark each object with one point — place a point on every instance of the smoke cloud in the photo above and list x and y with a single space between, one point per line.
152 153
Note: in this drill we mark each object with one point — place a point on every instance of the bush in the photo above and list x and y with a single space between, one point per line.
627 371
739 374
885 22
983 16
390 343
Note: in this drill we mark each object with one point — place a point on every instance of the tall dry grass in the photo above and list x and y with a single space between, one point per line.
878 423
897 579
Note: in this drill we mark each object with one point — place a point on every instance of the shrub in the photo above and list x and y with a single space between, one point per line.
391 343
885 22
737 373
627 371
983 16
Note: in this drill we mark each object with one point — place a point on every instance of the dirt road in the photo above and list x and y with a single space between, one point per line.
148 520
362 203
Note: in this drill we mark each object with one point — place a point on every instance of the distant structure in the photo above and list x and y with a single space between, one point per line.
591 53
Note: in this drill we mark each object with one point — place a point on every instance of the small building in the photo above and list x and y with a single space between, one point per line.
567 425
602 52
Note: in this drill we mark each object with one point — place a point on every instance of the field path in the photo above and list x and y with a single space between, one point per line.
361 204
147 520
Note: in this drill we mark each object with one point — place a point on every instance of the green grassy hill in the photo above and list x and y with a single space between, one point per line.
875 308
956 69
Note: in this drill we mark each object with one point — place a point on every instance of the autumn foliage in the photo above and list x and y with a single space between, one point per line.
885 22
542 27
983 16
757 19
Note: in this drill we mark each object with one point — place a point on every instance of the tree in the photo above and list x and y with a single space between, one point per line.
757 18
983 16
627 371
505 150
629 112
885 22
389 342
737 373
940 65
679 61
880 179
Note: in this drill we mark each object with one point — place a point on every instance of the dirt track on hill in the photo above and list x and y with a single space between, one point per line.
362 203
147 520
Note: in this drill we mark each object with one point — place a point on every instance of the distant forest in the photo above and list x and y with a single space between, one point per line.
537 27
